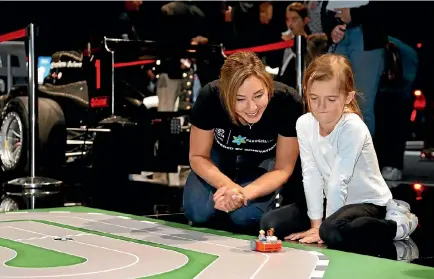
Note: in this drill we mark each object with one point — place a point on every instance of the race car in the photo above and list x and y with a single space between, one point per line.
90 115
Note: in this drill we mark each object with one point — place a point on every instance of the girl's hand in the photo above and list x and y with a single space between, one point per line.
309 236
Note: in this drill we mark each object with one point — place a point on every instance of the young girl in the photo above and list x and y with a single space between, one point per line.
339 164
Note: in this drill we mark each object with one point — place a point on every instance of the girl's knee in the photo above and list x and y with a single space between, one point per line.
330 233
268 221
271 220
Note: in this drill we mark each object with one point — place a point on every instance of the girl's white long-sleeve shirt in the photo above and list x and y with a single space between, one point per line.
342 166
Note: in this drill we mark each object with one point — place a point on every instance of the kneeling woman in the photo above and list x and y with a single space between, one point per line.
243 143
339 161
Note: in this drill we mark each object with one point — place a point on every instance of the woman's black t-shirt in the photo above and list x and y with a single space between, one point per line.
257 142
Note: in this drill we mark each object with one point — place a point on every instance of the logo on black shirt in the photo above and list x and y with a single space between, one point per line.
239 140
241 143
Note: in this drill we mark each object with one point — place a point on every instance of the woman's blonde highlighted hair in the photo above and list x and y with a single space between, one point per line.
237 68
325 68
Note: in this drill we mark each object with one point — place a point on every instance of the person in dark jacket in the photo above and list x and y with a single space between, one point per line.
393 112
359 34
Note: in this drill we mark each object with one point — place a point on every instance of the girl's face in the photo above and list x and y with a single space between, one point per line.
326 102
252 99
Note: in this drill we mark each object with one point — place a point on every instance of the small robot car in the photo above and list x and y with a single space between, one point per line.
268 243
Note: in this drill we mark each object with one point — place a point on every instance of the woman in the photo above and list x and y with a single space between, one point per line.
339 161
243 144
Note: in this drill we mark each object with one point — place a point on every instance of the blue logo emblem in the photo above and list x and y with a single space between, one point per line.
239 140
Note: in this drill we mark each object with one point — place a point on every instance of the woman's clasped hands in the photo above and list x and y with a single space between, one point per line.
228 199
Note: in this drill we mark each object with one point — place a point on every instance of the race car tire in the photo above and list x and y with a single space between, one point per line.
50 143
8 204
253 245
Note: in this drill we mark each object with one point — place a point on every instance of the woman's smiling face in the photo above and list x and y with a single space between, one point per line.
251 101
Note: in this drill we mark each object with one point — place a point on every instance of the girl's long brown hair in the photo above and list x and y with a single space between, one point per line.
325 68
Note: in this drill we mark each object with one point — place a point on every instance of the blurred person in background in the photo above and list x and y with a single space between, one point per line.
359 34
256 23
182 24
428 136
218 31
297 20
179 25
428 92
128 20
394 105
129 24
314 12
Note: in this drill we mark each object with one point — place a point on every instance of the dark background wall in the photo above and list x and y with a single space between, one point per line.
65 22
69 25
